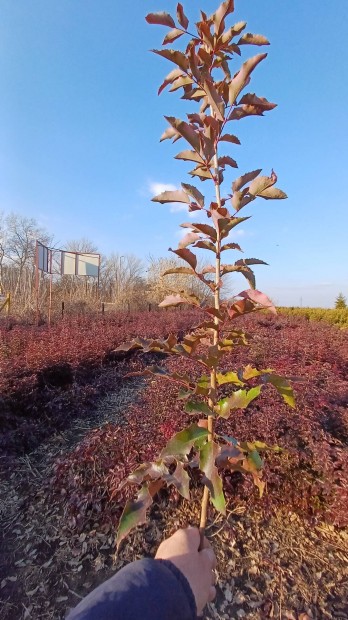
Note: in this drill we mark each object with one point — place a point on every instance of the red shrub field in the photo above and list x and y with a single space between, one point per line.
310 476
52 379
51 375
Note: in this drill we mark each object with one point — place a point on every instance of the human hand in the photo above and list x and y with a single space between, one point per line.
197 566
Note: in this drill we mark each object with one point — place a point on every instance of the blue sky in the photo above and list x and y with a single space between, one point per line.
80 122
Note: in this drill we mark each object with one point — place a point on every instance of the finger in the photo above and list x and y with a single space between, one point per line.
193 537
206 543
212 594
190 536
210 557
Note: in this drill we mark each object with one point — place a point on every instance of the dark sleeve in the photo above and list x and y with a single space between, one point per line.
144 590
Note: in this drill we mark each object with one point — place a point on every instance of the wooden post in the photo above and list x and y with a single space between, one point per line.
50 295
103 308
37 280
62 309
6 302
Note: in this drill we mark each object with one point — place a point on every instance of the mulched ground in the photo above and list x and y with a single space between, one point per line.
277 563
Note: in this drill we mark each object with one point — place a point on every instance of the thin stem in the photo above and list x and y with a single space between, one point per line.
213 384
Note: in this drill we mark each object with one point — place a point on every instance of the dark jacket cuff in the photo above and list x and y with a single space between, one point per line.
185 585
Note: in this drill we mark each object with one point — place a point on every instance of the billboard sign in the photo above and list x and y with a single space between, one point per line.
42 257
79 264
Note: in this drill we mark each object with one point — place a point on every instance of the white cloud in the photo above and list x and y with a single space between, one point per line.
240 232
181 232
177 207
156 188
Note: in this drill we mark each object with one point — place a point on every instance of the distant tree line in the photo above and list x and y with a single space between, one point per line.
126 282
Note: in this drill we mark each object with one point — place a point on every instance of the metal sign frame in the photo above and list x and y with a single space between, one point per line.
80 267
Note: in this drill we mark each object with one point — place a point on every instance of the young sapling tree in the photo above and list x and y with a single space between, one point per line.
205 75
340 302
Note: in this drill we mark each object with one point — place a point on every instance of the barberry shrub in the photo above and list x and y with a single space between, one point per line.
203 75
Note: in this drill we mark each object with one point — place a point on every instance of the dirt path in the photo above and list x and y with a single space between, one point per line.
276 568
29 529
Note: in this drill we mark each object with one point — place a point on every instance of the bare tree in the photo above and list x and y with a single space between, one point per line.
2 248
81 291
83 245
18 235
122 280
159 286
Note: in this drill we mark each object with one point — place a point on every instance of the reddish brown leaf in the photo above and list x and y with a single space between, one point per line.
187 256
227 224
227 161
161 18
252 99
229 138
182 19
231 246
169 133
243 180
195 94
194 192
250 261
173 75
260 184
252 39
174 56
241 79
258 298
214 312
202 173
205 229
189 156
169 196
172 36
182 270
219 16
246 110
243 269
208 269
188 239
237 200
204 56
232 32
193 206
128 346
244 306
206 35
205 245
181 82
215 99
175 300
186 131
273 193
